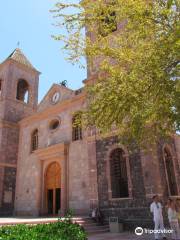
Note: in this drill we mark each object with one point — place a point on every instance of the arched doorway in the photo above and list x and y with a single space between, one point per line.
53 188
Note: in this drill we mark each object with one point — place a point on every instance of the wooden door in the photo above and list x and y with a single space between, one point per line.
53 188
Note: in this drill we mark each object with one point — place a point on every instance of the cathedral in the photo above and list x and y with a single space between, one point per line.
49 165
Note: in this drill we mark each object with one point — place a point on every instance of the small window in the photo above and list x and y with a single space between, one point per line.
22 91
54 124
76 127
34 140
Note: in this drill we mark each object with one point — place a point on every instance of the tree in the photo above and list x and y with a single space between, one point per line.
135 46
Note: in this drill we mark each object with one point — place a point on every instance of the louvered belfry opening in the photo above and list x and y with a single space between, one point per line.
170 173
118 172
34 140
22 91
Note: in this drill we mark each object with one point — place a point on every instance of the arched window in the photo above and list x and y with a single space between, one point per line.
171 179
76 127
22 91
118 174
34 140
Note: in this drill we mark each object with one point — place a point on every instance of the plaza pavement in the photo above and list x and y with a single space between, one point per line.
104 236
25 220
120 236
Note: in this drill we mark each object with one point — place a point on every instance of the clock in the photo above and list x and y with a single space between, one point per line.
55 97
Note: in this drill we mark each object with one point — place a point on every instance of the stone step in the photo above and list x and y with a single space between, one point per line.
94 225
98 231
91 227
86 223
83 221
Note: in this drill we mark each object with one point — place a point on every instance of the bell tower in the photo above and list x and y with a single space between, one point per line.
18 99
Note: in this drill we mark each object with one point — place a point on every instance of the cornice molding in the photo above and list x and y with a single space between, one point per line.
8 124
54 151
8 165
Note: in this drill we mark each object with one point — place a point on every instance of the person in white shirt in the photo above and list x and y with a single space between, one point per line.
173 220
93 214
156 210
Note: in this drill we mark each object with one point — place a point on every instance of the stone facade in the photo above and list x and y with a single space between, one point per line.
147 178
134 207
28 187
11 111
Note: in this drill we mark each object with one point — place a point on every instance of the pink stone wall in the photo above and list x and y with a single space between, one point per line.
79 181
151 171
29 192
11 111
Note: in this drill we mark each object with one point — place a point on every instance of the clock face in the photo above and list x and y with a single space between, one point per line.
55 97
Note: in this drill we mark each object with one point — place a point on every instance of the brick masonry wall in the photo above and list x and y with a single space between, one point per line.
1 184
174 151
7 190
11 111
134 210
8 157
9 145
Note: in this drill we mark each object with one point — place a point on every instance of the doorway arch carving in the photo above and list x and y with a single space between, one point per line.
53 188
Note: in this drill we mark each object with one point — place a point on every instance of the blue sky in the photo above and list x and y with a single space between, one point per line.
30 23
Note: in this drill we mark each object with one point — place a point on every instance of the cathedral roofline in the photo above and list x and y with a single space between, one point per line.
54 85
18 56
59 107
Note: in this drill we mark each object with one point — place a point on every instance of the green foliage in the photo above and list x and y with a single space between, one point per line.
62 230
137 89
77 119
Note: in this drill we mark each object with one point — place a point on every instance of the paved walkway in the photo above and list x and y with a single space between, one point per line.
17 220
120 236
124 236
33 220
105 236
